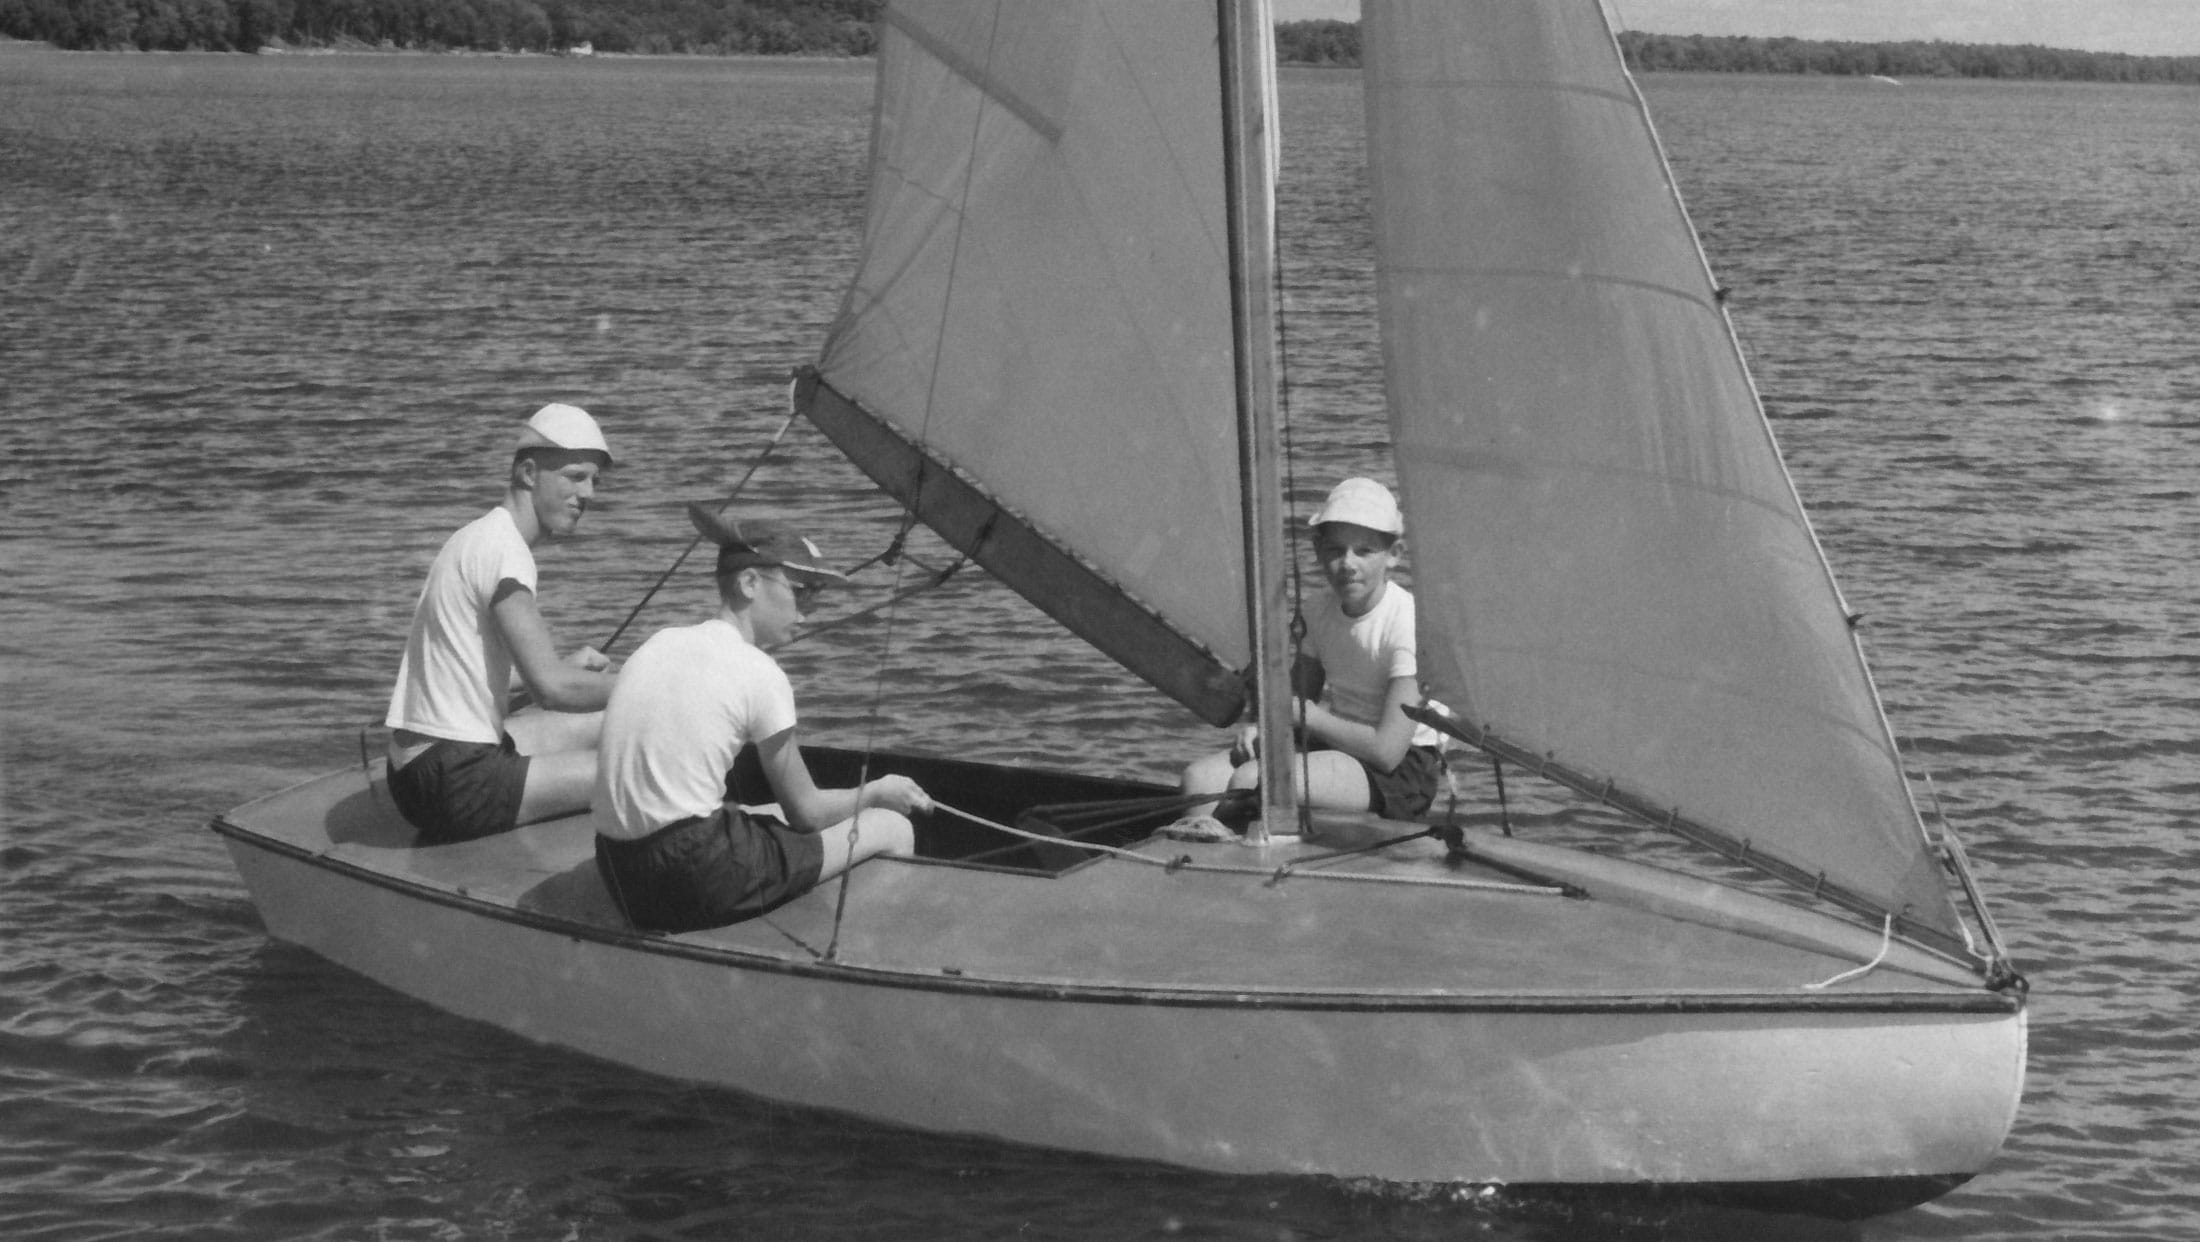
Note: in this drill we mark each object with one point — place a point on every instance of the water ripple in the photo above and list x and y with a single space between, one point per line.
277 316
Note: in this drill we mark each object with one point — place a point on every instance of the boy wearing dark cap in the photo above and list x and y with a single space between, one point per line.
675 854
456 771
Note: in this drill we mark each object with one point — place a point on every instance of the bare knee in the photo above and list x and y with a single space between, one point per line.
876 831
538 732
557 784
884 832
1207 774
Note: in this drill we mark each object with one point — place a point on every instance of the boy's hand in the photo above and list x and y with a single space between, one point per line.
897 793
1245 747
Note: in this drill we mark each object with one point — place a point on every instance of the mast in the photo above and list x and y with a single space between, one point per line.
1248 137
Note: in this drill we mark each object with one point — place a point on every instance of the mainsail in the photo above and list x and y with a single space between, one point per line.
1612 568
1043 308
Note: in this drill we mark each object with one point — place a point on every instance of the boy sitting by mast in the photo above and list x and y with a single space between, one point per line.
675 854
458 767
1364 754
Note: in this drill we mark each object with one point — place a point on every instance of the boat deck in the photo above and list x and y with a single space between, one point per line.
1399 926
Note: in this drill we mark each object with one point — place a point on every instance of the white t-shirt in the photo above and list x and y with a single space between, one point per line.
457 673
685 704
1361 655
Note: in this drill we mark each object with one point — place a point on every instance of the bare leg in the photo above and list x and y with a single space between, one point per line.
872 832
1334 781
537 732
1337 780
557 784
561 769
1208 774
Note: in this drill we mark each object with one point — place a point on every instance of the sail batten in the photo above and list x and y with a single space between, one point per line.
1550 276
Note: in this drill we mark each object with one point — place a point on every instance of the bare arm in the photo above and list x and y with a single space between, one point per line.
810 809
560 685
1381 746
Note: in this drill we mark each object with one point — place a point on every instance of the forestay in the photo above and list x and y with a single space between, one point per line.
1043 301
1612 566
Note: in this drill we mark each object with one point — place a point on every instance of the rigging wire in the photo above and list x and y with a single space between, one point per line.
892 556
922 438
697 539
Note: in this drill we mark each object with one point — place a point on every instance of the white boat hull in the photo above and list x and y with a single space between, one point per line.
1720 1092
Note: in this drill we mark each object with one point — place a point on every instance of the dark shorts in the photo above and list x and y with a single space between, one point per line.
459 791
1408 789
709 871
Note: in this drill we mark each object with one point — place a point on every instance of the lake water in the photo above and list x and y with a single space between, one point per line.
266 325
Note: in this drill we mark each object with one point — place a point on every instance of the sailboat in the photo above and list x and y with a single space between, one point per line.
1059 354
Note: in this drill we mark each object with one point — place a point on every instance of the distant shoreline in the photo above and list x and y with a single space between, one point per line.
1304 45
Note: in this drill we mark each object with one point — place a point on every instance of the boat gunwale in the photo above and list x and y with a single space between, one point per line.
1952 1002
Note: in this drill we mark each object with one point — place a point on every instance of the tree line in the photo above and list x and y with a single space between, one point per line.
697 27
1338 43
844 28
1911 59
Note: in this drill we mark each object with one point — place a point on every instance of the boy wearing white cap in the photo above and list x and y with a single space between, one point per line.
1363 752
674 852
457 768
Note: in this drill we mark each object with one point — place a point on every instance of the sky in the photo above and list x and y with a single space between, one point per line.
2142 27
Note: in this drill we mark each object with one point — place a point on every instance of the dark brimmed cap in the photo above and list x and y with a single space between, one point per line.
762 542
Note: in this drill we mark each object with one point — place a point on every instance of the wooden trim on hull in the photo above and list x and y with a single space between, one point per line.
1975 1002
1632 1092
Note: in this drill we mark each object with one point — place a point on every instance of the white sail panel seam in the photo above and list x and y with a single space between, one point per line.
1557 276
977 75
